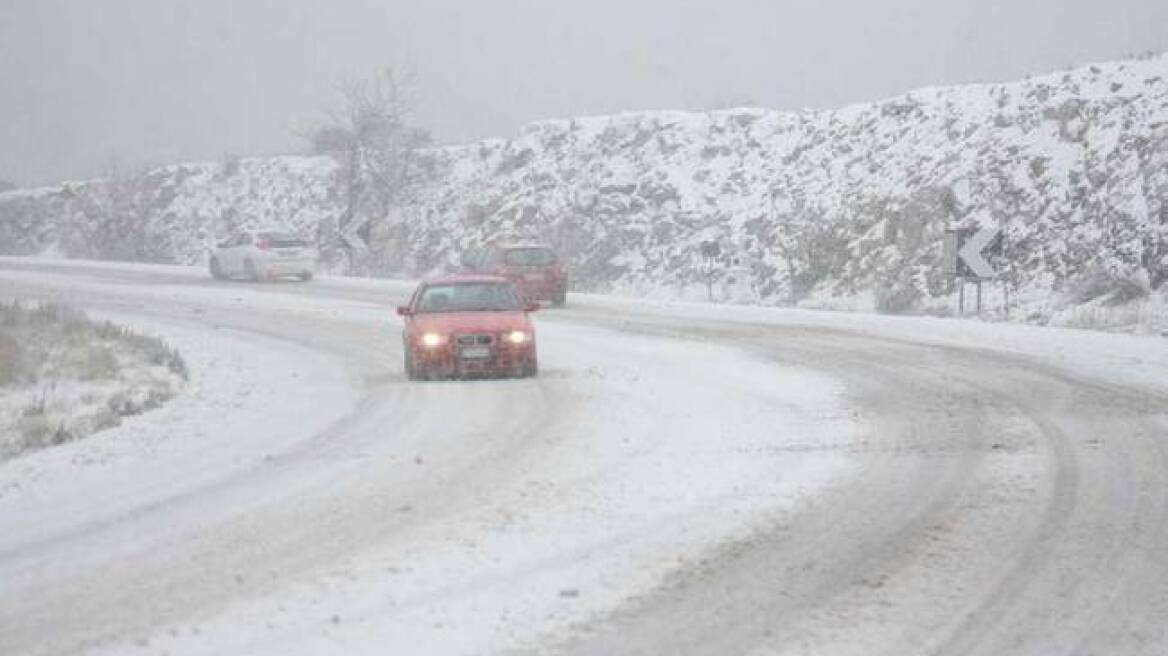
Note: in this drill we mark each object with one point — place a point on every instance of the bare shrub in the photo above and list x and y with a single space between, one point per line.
100 364
67 376
1112 287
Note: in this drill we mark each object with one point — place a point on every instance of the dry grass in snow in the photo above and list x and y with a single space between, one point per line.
64 376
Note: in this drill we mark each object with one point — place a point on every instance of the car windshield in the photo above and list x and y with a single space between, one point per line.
282 239
530 257
469 297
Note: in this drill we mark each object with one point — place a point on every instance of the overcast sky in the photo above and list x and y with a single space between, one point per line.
84 83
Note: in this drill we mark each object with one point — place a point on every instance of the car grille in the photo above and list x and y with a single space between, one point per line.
472 340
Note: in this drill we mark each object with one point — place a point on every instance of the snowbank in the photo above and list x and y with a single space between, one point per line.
209 434
64 377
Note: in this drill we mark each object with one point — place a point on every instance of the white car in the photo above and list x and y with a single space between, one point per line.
263 254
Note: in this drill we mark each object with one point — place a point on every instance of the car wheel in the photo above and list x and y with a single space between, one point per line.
531 370
216 269
249 270
306 276
560 299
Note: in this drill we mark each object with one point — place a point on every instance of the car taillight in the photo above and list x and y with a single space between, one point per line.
264 245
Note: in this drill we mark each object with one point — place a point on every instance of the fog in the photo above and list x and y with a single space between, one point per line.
87 85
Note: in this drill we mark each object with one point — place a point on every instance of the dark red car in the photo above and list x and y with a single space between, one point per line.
468 325
537 271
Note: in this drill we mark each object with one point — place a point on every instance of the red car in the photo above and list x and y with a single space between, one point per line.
468 325
537 271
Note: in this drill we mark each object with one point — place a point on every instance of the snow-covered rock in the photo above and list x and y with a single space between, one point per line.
839 207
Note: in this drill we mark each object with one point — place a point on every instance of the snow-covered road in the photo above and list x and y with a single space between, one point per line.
680 479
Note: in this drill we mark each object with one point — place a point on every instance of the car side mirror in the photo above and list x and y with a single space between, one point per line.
404 311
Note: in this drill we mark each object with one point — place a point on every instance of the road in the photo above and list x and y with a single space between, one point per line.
678 480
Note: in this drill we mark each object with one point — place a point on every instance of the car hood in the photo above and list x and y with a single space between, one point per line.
469 322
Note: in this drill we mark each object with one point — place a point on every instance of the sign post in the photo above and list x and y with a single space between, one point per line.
710 251
960 297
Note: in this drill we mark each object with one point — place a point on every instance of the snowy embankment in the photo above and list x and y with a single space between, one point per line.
842 208
64 377
247 399
1139 360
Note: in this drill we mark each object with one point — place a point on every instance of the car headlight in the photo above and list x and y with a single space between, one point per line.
517 337
433 340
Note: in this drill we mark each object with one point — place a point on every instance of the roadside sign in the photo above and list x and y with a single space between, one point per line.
965 250
964 259
350 236
971 253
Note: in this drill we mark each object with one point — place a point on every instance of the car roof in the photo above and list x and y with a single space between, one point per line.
516 245
459 278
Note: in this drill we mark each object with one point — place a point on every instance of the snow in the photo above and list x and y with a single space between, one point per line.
27 194
81 407
490 517
631 455
230 418
73 377
533 556
1133 360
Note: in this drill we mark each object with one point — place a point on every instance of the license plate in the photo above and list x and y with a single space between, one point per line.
533 276
476 352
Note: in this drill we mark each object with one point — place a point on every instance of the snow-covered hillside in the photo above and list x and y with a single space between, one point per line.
850 203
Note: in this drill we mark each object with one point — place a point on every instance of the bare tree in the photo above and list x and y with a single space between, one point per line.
371 136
